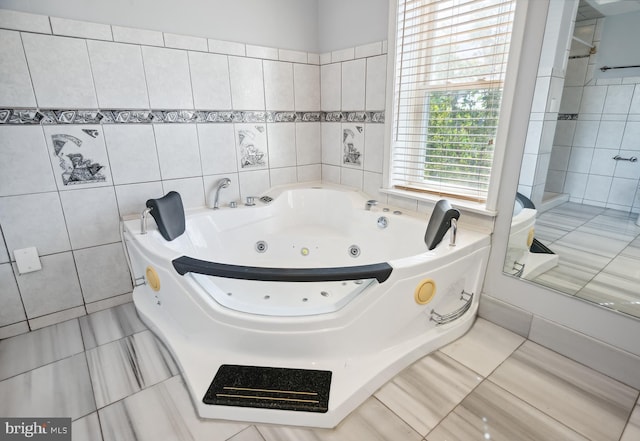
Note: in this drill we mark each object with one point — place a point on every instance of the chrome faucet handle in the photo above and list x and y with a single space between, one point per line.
251 201
370 203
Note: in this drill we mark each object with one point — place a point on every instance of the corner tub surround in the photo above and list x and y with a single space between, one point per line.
312 278
96 119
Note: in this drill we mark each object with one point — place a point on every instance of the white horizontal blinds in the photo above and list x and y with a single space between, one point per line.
451 61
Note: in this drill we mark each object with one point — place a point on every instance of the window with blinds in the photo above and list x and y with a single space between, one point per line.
451 58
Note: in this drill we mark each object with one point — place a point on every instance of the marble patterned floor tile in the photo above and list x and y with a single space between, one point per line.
577 210
86 428
371 421
580 259
251 433
473 351
625 267
632 250
29 351
613 292
560 221
632 431
124 367
602 246
492 413
59 389
608 231
565 278
548 234
427 390
592 404
162 412
110 324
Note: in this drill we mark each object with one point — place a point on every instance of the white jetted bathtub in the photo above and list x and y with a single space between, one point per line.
308 297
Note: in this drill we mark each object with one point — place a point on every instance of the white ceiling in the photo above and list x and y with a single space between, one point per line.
611 7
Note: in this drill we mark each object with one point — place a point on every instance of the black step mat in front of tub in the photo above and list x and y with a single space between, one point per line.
270 388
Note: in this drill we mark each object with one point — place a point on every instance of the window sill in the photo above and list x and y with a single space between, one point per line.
468 206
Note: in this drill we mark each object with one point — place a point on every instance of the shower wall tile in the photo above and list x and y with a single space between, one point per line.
372 183
306 81
92 216
308 173
253 183
313 58
564 132
34 220
308 144
54 288
60 71
80 29
631 135
331 173
281 139
132 153
247 85
618 99
191 190
102 271
586 134
331 79
132 197
351 177
353 84
57 317
343 55
369 50
12 310
627 169
210 81
278 85
118 75
374 147
178 151
570 102
266 53
593 98
283 176
15 83
23 21
598 188
610 134
331 135
185 42
226 47
137 36
110 302
78 156
622 191
168 81
376 82
353 136
293 56
217 148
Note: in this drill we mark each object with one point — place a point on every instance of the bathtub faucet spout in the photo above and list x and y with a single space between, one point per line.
143 220
454 232
370 203
222 183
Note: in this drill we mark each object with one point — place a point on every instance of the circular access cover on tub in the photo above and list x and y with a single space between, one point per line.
152 278
425 291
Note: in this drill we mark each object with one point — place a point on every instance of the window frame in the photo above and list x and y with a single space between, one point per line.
487 207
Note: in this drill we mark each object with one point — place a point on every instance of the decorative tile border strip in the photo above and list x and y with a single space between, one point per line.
37 116
567 116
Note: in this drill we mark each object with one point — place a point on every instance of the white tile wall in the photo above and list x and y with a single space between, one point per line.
281 139
52 289
306 84
118 75
60 71
113 67
353 84
12 310
247 85
278 85
34 220
24 161
17 89
132 153
210 81
92 216
168 81
102 271
178 151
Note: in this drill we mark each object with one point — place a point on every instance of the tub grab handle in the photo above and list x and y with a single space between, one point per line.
442 319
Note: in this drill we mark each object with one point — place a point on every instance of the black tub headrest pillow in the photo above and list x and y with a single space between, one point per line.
169 214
